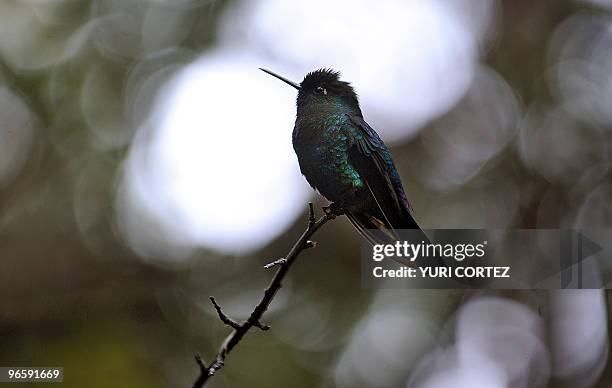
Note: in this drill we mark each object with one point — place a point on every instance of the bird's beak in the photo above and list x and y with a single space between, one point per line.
285 80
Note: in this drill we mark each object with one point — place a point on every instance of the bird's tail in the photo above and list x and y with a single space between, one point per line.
377 231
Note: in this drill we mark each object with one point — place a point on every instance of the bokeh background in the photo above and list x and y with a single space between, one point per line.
146 163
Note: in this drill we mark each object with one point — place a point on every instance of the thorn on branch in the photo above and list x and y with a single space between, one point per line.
282 260
224 318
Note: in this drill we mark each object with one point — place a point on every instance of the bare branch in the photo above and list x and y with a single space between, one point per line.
254 320
224 318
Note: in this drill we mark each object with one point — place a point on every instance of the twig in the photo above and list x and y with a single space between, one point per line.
275 263
254 320
224 318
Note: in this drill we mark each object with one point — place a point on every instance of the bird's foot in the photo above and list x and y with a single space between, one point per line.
334 208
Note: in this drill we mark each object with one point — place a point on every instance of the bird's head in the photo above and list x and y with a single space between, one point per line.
323 90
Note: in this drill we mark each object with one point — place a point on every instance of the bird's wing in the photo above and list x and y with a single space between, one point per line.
372 161
370 157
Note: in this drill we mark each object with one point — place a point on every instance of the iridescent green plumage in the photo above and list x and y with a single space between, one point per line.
343 158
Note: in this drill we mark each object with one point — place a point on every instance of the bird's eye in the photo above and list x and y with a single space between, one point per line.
320 90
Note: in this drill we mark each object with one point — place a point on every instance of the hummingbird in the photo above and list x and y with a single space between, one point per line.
344 159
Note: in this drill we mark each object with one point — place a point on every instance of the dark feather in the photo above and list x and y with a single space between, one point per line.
367 155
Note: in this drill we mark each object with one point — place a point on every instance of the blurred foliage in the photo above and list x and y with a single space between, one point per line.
74 295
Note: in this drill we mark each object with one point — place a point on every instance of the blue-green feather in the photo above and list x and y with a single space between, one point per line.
344 158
